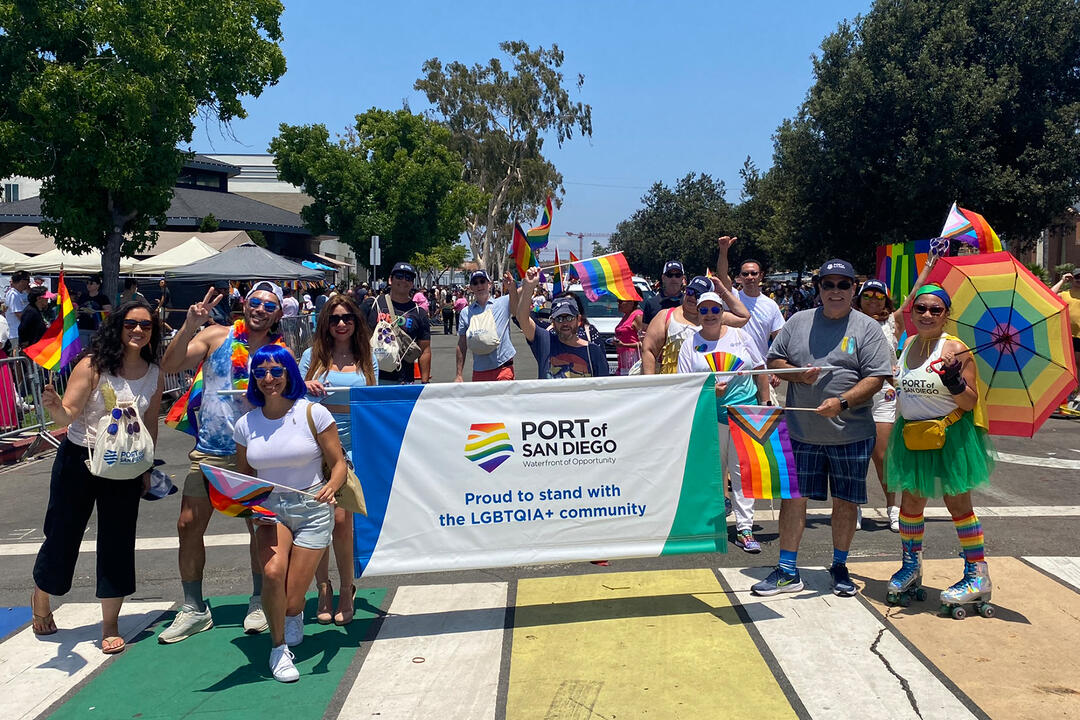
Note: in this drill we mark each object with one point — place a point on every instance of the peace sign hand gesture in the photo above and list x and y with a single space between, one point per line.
199 312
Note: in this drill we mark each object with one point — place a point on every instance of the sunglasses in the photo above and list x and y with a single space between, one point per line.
830 285
749 273
934 310
874 295
478 281
673 274
565 318
714 310
143 324
403 276
275 372
256 303
692 292
343 319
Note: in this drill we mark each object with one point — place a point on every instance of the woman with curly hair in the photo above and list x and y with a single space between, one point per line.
121 366
339 356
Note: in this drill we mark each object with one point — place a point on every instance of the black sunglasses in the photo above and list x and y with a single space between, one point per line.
144 324
673 274
275 372
343 319
478 281
830 285
934 310
749 273
403 276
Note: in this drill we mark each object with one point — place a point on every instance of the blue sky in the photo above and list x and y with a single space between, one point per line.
675 87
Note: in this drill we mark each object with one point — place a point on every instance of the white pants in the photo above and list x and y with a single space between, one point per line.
743 506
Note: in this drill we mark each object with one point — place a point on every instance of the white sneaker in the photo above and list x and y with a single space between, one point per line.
255 620
281 664
186 623
858 517
894 518
294 629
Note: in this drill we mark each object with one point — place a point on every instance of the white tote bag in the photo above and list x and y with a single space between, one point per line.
123 449
482 337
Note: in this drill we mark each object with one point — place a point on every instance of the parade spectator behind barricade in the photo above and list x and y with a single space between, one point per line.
92 306
666 333
9 419
286 439
289 306
131 292
447 309
320 300
33 325
340 356
628 336
715 337
234 296
219 313
560 351
163 302
420 298
833 442
669 292
1069 290
16 301
460 303
484 328
308 306
411 318
119 370
222 352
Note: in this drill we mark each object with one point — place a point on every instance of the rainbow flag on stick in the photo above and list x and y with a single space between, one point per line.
766 461
235 494
971 228
184 413
556 275
538 236
60 343
524 257
571 273
606 273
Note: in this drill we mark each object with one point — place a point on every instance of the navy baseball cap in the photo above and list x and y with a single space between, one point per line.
698 286
874 285
479 275
405 268
836 266
563 307
671 265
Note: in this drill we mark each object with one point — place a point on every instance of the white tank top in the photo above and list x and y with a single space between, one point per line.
83 429
677 332
923 396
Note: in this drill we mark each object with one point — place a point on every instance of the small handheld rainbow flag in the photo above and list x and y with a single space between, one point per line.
235 494
538 236
606 273
183 415
721 361
60 343
571 273
556 276
524 257
971 228
766 461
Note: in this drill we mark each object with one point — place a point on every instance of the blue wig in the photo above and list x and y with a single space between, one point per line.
294 388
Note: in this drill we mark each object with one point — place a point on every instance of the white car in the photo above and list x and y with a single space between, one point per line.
604 314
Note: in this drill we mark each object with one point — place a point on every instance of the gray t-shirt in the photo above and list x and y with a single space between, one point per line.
500 312
856 346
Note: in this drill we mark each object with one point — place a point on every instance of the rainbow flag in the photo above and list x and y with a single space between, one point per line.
556 275
721 361
766 460
971 228
538 236
571 274
60 343
607 273
898 266
524 257
183 415
235 494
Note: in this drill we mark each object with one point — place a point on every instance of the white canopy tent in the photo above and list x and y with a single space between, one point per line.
10 260
179 256
86 264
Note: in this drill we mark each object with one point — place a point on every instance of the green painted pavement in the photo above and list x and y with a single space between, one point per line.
223 673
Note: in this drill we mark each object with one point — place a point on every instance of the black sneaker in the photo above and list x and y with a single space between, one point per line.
841 581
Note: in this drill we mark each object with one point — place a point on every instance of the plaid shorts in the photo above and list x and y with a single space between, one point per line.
837 470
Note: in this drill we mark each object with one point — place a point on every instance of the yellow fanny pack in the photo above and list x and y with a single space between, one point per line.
929 434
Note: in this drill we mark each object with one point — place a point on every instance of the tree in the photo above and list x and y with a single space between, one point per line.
393 175
97 95
680 223
209 224
440 259
499 119
921 103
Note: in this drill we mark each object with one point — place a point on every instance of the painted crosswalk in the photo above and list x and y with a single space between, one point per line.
690 643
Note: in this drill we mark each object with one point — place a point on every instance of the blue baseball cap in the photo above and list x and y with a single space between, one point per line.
698 286
836 266
874 285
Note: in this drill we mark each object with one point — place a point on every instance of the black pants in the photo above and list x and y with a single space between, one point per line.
447 320
73 492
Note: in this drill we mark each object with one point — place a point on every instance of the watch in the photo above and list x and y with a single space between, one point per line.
843 402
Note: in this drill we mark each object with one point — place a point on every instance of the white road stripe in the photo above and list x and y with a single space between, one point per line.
1065 568
841 661
36 671
152 543
436 655
1041 462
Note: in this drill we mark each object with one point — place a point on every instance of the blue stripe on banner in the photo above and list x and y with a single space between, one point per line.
13 618
380 416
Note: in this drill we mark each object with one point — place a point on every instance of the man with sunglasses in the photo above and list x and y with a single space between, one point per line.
833 433
217 350
560 352
498 362
765 316
670 295
411 318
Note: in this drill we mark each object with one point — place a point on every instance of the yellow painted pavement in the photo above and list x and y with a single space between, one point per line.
647 644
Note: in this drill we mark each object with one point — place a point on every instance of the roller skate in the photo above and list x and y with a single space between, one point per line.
974 589
906 583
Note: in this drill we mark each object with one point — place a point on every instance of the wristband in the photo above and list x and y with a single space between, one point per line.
955 386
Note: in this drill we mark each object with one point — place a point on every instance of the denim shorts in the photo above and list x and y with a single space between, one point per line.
839 470
311 522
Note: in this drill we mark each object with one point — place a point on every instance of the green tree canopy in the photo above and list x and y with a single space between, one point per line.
96 95
921 103
393 175
499 118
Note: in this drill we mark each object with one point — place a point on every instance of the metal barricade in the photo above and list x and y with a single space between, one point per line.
22 414
297 332
175 383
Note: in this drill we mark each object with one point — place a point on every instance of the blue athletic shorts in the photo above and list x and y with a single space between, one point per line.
837 470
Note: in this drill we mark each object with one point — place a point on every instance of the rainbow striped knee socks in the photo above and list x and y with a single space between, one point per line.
969 530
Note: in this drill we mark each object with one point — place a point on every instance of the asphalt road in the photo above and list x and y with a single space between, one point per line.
1024 529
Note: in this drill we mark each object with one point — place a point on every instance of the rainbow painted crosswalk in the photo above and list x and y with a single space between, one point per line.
682 643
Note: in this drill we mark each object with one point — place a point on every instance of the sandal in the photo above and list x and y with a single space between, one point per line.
344 615
42 624
113 645
326 597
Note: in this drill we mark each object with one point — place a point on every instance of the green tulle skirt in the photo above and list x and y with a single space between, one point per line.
964 462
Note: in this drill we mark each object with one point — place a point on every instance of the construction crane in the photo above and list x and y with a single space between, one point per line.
581 239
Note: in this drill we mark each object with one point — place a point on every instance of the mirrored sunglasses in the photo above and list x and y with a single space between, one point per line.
874 294
711 310
275 372
266 305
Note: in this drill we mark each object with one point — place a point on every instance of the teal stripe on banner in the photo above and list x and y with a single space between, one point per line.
700 524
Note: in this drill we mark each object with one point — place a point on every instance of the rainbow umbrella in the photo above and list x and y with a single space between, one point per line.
1018 331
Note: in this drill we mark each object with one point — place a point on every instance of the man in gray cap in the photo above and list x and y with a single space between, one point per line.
493 351
833 443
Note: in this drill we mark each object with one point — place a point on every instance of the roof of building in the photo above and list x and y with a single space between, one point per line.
205 162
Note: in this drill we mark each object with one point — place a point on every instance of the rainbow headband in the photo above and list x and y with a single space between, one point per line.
937 291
